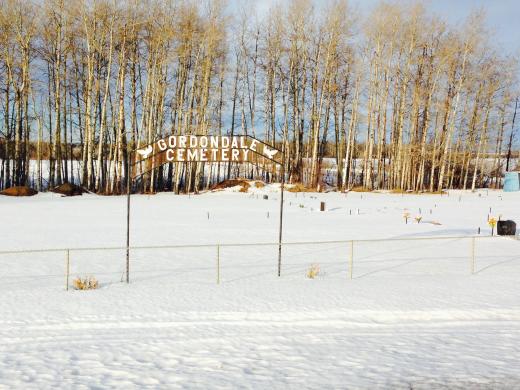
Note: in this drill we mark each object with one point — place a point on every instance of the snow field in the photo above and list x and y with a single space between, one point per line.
412 316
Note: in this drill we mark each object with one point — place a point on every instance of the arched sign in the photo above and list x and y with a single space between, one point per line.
203 148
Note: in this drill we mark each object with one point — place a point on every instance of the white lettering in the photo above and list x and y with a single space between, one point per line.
208 148
162 145
192 154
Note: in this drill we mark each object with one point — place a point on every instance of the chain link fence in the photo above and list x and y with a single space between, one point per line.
229 263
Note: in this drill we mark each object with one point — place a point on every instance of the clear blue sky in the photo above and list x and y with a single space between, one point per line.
503 16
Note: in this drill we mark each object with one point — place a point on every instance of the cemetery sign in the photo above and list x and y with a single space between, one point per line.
203 148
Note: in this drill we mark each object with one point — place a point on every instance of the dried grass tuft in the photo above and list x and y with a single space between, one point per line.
88 283
298 187
244 187
313 271
360 189
232 183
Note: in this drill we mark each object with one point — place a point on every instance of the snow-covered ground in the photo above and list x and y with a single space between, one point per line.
413 316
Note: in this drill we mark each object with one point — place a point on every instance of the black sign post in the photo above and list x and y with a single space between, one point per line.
128 187
280 228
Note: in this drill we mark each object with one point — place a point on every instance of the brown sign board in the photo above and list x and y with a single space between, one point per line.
203 148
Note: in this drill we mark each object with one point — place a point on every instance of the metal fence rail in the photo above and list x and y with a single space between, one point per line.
337 256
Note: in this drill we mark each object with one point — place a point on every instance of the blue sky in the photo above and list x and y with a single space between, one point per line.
503 16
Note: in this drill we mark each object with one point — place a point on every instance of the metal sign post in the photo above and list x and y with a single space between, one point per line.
128 187
282 185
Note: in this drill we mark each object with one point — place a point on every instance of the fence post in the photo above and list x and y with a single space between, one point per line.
351 259
218 264
67 270
472 255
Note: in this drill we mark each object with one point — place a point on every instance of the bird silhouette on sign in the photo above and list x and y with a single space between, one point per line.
270 152
144 153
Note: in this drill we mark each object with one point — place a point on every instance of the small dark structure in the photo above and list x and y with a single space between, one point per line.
322 206
266 197
506 228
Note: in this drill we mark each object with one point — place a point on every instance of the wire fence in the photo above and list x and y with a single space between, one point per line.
229 263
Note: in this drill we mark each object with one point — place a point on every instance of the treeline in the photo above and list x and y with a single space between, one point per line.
398 98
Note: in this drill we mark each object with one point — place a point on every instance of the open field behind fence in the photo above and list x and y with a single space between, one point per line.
229 263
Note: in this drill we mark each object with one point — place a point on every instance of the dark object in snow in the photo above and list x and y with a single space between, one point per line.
322 206
68 189
266 197
506 228
19 191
